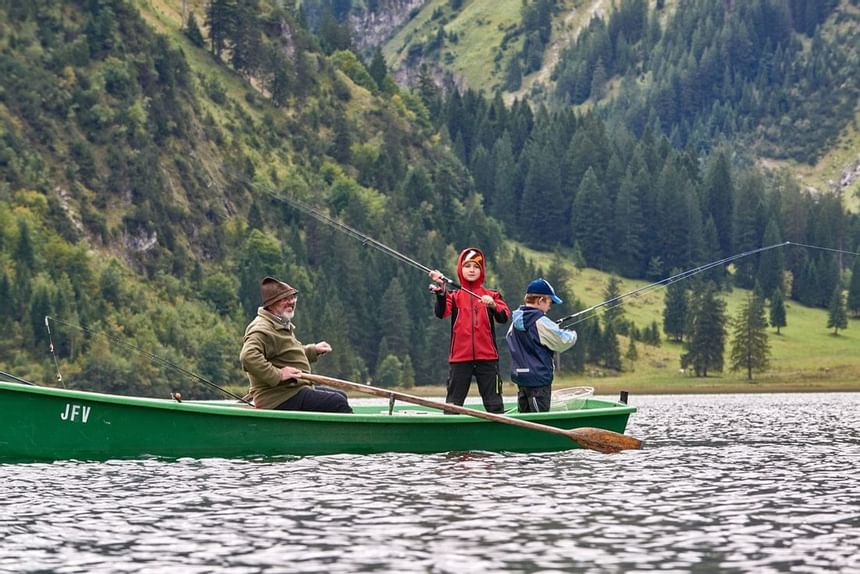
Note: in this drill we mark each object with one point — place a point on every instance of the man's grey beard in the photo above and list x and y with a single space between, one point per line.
287 316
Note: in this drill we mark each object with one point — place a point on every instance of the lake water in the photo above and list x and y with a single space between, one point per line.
726 483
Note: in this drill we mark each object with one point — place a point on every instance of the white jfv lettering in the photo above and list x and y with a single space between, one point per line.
75 413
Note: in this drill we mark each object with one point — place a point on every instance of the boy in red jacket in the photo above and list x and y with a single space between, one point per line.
474 314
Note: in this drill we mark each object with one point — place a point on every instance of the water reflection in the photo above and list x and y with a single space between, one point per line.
760 483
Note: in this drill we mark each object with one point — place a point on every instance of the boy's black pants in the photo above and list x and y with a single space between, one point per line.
489 383
534 399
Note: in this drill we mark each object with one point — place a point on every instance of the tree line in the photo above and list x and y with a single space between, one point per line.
112 220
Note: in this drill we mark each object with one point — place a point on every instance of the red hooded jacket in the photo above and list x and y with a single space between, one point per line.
472 322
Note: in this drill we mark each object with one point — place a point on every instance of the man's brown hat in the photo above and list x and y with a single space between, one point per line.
272 291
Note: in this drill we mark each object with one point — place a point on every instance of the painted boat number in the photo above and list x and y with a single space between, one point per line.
75 413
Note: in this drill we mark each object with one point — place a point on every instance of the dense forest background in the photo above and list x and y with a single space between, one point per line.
145 157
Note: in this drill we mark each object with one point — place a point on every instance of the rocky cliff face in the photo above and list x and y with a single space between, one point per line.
373 27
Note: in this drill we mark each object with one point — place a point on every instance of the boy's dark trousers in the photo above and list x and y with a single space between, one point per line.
489 383
534 399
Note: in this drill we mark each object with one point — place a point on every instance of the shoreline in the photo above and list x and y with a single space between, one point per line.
701 387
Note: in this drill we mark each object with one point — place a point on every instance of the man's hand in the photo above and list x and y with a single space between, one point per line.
488 301
288 373
322 347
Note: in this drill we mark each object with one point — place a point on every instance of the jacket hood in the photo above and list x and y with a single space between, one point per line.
471 254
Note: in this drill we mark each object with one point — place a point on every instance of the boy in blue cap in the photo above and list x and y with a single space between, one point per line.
532 339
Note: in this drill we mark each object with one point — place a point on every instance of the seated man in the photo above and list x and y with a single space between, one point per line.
275 360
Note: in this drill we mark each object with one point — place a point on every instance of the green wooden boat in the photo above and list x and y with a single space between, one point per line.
44 424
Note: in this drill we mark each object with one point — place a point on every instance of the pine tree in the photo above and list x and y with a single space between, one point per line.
394 319
378 69
591 209
706 334
504 203
837 314
614 312
192 31
611 350
628 229
750 347
543 221
719 197
514 75
675 310
632 354
777 310
220 15
7 309
747 225
854 289
771 265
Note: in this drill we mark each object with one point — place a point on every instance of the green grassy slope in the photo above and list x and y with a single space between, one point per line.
480 27
805 356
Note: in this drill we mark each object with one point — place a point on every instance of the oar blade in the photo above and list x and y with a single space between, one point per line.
604 441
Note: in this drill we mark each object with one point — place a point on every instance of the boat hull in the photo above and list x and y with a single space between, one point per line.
39 424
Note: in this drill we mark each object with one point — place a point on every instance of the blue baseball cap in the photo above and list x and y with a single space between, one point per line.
541 286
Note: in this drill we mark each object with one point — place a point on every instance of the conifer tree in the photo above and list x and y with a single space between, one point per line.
854 289
628 229
504 203
378 69
632 354
706 335
719 197
777 310
542 216
611 351
25 254
591 210
192 31
7 309
837 314
220 15
394 319
407 374
771 265
750 347
614 312
747 225
40 306
805 286
514 75
675 310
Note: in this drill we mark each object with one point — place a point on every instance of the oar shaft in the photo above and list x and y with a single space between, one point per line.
596 439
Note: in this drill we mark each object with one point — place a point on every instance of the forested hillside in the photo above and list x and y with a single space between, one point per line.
139 171
145 154
775 76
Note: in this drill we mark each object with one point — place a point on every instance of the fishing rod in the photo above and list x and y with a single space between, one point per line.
688 273
17 379
152 356
365 240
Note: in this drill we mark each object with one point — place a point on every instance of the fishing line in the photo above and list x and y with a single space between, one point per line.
18 379
152 356
365 239
616 301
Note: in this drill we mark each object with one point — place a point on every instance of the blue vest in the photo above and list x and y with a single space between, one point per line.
531 361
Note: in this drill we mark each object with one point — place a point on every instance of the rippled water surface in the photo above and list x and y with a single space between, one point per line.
732 483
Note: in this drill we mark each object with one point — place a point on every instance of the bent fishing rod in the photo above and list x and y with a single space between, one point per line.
365 240
152 356
684 275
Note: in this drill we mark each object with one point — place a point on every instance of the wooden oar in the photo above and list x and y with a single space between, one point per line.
587 437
